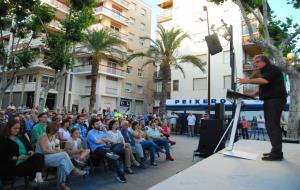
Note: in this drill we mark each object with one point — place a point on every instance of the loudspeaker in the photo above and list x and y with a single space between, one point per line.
220 111
213 44
210 135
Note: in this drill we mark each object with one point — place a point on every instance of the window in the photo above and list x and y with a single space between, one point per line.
47 80
140 72
130 36
226 57
139 89
141 42
129 69
115 27
175 85
132 20
128 87
20 79
132 6
227 82
31 78
142 26
143 13
199 84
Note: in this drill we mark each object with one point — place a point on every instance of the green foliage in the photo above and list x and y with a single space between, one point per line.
58 55
22 58
102 41
165 50
280 30
81 4
76 24
295 3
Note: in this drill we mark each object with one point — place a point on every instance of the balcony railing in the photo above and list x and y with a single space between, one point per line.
122 3
103 69
112 71
113 14
57 5
166 15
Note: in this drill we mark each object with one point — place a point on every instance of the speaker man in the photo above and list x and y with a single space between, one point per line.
272 91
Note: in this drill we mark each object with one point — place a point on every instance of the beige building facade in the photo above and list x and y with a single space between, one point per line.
126 87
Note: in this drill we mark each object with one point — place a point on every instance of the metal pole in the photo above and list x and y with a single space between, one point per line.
208 64
232 65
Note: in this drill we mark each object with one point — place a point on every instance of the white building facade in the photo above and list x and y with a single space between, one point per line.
190 16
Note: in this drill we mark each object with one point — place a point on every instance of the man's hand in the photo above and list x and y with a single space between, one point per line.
243 80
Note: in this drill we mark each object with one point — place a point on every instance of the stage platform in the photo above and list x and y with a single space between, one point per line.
219 172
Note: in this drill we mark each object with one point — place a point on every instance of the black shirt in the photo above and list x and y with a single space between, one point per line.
275 88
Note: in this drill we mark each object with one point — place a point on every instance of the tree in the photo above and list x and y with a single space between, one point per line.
101 43
276 40
23 19
164 50
61 54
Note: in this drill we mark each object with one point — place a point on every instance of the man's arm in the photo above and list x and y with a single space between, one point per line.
252 81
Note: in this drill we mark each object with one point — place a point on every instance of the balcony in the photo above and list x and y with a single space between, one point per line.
103 69
55 25
122 3
112 14
6 33
251 48
156 76
165 16
157 95
120 35
57 5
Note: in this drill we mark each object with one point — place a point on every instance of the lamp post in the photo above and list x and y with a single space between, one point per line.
227 33
208 64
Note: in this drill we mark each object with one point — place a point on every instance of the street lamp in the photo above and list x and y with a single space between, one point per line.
208 64
227 32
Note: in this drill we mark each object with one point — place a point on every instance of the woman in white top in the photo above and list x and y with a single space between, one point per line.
55 157
116 138
63 132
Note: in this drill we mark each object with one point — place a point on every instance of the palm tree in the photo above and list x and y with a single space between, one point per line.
101 43
164 50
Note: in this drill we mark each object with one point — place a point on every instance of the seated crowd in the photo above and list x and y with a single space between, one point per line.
30 143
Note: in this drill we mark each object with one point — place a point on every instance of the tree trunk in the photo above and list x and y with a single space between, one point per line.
94 75
165 74
61 85
294 110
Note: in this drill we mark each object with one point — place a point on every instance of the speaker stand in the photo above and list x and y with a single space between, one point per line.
230 152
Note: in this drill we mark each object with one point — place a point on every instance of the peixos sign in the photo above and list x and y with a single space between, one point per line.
178 102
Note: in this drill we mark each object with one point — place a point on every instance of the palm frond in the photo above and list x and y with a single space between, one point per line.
149 39
177 66
135 55
149 61
195 60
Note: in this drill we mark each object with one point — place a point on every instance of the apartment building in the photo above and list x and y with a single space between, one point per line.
195 84
119 86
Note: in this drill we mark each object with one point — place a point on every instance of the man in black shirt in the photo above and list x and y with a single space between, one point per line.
272 91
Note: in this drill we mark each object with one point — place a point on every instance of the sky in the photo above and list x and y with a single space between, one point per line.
280 7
